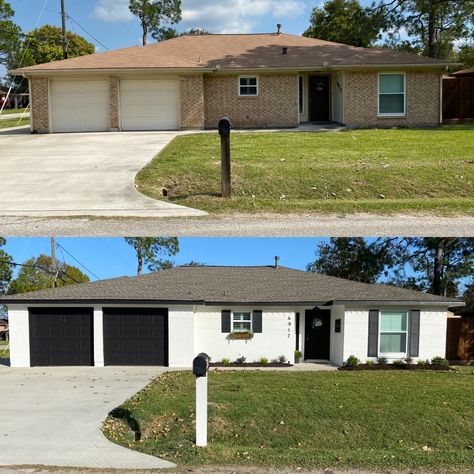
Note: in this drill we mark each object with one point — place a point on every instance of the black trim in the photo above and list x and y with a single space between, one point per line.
373 339
297 329
226 321
414 333
257 323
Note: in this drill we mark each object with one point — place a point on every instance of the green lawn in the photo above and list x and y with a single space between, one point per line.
372 420
382 171
13 111
14 123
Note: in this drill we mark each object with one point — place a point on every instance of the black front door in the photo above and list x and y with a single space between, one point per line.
317 333
319 99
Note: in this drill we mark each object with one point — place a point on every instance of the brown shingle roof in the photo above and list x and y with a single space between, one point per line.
226 285
234 52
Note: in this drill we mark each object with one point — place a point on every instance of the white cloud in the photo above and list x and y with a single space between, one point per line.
217 16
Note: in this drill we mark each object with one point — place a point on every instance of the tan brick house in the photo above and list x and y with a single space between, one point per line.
259 80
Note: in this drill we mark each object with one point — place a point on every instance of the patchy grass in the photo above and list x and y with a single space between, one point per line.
14 123
13 111
371 420
377 171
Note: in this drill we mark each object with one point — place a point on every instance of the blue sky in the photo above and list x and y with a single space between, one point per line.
111 257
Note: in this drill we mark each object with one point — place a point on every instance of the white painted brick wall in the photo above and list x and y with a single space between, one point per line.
19 337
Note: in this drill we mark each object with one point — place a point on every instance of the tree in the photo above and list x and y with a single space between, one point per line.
148 250
153 13
166 33
45 44
433 25
352 258
5 268
38 273
346 21
465 55
9 32
469 299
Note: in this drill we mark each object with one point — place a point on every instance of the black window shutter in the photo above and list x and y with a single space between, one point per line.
257 321
414 334
373 333
225 321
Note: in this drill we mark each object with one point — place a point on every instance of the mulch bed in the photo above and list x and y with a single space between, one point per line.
250 364
398 367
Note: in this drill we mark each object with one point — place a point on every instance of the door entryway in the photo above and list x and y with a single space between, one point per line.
317 333
319 99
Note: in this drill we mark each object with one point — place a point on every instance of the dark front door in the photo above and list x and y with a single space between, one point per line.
60 336
319 99
317 333
135 336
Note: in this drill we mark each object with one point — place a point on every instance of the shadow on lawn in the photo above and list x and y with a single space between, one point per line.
191 195
125 415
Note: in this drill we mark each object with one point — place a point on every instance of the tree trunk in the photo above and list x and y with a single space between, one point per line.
138 250
432 45
438 268
145 31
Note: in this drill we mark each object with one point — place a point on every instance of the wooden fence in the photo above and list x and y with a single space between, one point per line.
460 339
458 98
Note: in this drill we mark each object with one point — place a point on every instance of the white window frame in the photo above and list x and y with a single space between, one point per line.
403 114
394 355
239 86
241 321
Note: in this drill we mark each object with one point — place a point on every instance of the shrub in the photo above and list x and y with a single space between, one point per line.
263 360
408 360
421 362
241 360
398 363
382 360
369 362
298 354
225 361
282 359
352 361
438 360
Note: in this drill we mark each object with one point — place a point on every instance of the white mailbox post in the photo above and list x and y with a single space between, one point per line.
200 370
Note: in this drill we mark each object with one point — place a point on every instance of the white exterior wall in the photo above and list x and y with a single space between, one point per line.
98 335
181 336
277 337
19 336
433 327
336 344
356 333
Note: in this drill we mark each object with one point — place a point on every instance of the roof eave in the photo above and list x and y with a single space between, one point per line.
400 302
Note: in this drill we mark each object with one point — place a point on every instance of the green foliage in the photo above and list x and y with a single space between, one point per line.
298 354
149 249
422 362
352 361
382 360
241 360
39 274
465 55
225 361
154 13
6 271
9 32
263 360
166 33
282 359
369 362
398 363
440 361
345 21
408 360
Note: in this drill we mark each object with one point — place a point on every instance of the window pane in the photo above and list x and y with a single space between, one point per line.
392 104
241 326
248 81
241 316
248 90
393 321
393 343
391 83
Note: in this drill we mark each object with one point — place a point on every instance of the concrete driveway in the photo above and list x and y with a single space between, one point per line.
53 416
78 174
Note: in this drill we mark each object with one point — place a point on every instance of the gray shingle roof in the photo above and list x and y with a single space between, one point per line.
226 285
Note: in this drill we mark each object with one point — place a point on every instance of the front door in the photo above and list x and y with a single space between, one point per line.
317 333
319 99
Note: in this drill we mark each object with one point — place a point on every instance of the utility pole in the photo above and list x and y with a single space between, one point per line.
63 20
53 262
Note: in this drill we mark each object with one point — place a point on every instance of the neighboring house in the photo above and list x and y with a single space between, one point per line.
3 329
168 317
460 335
16 100
458 96
464 73
257 80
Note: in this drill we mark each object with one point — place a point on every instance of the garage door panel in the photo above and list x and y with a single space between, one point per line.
61 336
79 106
135 336
149 104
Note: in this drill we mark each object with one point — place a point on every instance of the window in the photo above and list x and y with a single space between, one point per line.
301 95
391 94
393 332
241 322
337 325
248 86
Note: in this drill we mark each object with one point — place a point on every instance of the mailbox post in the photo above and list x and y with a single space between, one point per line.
200 369
224 132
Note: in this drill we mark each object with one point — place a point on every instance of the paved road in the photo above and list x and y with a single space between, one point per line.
245 225
52 416
80 174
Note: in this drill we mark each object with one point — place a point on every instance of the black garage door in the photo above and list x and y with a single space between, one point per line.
61 336
135 336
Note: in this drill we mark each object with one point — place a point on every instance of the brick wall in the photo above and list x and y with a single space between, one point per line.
114 119
39 104
422 96
191 92
275 106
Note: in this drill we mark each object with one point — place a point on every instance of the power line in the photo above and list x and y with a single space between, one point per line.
90 34
81 264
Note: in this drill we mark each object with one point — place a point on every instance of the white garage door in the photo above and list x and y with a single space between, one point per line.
149 104
81 106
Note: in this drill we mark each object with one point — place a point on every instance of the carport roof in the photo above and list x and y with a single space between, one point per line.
236 52
229 285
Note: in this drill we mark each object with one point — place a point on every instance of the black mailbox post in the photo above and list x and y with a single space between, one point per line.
224 132
201 365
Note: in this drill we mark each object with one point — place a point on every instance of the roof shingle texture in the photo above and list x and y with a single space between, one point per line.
234 52
214 285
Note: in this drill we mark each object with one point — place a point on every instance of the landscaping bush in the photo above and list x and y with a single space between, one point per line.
439 361
408 360
369 362
225 361
263 360
282 359
398 363
298 356
382 360
352 361
241 360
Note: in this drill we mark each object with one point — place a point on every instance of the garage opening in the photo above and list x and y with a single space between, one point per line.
149 104
61 336
79 106
135 336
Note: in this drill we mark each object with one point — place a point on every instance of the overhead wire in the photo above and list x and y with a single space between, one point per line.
77 261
